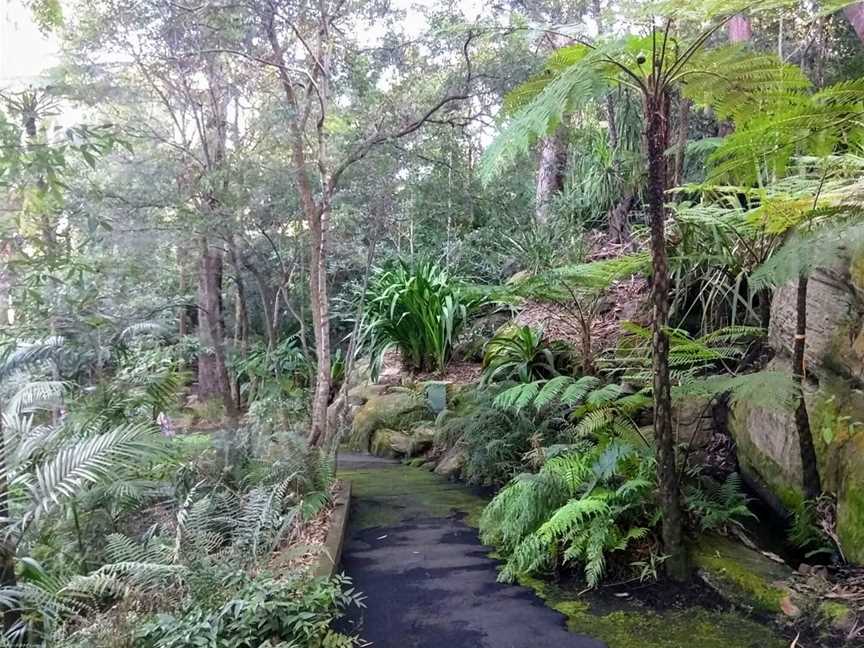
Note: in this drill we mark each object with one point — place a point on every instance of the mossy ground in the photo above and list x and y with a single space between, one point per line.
635 626
393 494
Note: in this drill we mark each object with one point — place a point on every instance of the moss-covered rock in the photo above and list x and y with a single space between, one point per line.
742 575
382 443
452 463
397 409
769 455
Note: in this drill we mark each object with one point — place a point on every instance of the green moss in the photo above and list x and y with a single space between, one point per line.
744 575
397 410
637 627
850 520
835 613
398 493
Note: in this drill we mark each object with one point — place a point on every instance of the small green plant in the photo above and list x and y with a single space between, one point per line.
717 506
520 353
418 308
807 530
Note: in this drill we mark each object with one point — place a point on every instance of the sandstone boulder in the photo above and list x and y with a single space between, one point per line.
451 463
397 409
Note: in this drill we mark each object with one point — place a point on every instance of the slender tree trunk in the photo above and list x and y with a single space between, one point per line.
738 29
241 319
855 15
684 106
213 379
657 141
266 305
809 463
183 317
319 303
5 282
550 173
7 546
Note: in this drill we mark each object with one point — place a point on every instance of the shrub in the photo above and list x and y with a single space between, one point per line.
520 354
419 309
578 508
263 610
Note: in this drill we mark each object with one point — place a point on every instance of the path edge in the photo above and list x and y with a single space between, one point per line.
332 551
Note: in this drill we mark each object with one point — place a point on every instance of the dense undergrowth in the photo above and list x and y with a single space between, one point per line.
122 533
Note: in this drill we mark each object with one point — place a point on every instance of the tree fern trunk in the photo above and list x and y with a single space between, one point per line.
657 142
809 464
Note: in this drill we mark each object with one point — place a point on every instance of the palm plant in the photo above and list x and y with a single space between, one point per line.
45 466
418 308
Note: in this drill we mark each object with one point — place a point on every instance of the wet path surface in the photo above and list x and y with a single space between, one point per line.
427 579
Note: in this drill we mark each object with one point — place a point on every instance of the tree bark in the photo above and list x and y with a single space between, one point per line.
809 463
317 214
7 544
213 379
5 282
657 142
738 29
681 140
855 15
550 173
319 302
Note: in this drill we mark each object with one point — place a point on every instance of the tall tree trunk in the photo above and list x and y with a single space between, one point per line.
738 29
319 303
683 125
657 141
5 282
213 379
809 464
7 546
855 15
550 173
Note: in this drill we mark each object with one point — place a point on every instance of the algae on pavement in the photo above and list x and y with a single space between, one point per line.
392 494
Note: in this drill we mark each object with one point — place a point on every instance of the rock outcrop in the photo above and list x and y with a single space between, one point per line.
394 409
766 436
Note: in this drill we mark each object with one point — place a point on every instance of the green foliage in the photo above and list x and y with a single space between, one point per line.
264 610
717 506
520 353
418 308
580 507
499 443
807 532
688 356
598 411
